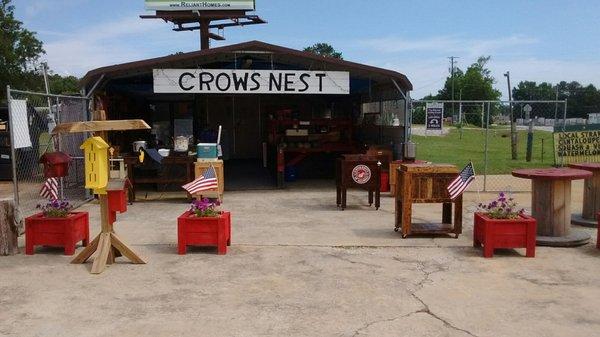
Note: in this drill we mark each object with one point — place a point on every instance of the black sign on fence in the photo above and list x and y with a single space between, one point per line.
434 113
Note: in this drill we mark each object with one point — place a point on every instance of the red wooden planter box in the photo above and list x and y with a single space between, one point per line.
213 231
59 232
504 233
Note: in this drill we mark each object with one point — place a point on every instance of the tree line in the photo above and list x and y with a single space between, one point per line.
20 53
477 83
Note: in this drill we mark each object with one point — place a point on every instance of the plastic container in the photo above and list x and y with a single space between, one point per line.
206 150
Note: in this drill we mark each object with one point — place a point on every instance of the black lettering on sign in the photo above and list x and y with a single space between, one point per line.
320 76
240 81
289 82
218 81
181 81
302 79
254 79
203 81
275 82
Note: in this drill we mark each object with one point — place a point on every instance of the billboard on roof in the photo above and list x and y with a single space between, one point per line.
171 5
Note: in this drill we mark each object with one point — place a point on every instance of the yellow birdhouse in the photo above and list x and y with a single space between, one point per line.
95 150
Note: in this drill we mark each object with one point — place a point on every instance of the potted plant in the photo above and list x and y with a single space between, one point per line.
204 224
501 224
56 225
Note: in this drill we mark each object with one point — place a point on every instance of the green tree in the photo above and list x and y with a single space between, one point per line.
476 83
19 51
324 49
63 85
582 100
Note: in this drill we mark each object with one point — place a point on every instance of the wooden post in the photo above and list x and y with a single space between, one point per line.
10 226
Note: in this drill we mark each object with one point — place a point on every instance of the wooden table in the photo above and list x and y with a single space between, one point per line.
551 204
357 171
591 196
163 177
427 183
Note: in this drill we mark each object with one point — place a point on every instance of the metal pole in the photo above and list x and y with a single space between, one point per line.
513 127
12 148
59 142
556 106
485 154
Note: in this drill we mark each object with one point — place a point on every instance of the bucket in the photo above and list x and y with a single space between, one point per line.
206 150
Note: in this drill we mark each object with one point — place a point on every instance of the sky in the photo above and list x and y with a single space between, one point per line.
543 40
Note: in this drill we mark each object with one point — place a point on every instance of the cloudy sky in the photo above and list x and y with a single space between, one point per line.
543 40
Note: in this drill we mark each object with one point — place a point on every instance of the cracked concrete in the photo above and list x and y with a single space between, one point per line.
300 267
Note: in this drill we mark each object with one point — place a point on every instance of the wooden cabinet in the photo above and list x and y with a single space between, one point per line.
427 183
200 167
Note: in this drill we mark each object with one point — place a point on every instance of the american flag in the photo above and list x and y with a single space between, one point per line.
207 181
460 184
50 189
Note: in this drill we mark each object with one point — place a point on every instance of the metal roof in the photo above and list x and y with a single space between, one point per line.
309 59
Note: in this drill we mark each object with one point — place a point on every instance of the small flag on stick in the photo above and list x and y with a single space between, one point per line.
207 181
50 189
460 184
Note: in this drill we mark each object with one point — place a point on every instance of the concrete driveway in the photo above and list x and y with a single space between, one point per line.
300 267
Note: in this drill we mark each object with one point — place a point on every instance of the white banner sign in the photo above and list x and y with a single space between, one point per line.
171 5
228 81
19 123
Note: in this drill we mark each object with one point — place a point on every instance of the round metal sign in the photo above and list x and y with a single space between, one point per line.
527 108
361 174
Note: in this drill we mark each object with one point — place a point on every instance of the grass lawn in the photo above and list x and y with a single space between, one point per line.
454 150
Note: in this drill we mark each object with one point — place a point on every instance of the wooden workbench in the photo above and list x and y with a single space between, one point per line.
164 176
427 183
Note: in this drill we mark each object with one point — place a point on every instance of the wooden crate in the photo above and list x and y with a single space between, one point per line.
200 167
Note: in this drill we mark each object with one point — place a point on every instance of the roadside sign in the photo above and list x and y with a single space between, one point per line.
434 115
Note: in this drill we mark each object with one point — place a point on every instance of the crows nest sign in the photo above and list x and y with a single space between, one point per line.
228 81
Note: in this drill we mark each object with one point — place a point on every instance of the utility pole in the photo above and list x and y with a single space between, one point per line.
452 62
513 126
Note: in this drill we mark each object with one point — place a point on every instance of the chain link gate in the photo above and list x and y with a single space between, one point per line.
32 116
481 133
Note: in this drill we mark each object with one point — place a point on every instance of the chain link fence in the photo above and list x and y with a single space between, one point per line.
480 131
32 118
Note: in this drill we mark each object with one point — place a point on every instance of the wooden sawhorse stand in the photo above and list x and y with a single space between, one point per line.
107 243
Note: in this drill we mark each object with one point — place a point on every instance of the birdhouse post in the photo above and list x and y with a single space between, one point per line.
107 243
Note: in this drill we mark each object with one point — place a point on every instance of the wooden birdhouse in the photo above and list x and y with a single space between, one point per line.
96 164
56 164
